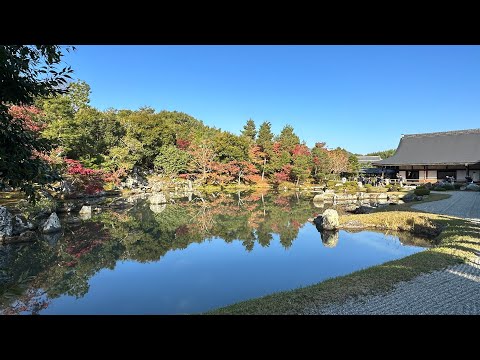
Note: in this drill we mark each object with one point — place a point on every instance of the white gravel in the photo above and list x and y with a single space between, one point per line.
455 290
464 204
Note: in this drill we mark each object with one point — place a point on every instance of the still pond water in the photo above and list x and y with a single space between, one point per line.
185 257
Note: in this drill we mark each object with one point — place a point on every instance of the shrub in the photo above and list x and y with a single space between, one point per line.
367 186
448 187
457 186
394 187
286 184
439 188
421 191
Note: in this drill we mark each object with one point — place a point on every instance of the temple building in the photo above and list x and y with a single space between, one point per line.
434 156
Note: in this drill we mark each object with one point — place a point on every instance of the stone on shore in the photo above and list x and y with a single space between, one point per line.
52 225
330 220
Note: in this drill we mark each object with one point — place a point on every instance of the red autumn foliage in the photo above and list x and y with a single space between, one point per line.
301 149
183 144
86 180
28 116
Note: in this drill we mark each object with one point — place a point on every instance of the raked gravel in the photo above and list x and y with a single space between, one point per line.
465 204
455 290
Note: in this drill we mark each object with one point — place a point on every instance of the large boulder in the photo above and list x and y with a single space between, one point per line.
6 222
157 199
52 225
473 187
330 219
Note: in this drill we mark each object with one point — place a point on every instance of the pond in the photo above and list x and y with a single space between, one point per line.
185 257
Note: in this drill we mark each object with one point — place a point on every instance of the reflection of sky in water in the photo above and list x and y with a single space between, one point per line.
214 273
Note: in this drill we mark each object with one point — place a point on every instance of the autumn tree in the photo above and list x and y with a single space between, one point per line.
339 160
202 156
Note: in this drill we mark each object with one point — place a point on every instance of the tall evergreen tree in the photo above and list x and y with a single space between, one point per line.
249 130
288 139
265 135
265 141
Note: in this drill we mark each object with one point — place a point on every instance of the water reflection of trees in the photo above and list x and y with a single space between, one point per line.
31 273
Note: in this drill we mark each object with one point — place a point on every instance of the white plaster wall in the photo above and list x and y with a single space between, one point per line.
432 174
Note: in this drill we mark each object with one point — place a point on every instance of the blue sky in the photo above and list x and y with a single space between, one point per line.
361 98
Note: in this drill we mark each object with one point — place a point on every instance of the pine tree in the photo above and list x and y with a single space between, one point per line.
265 141
288 139
249 130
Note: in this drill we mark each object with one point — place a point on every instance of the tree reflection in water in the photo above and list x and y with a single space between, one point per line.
32 274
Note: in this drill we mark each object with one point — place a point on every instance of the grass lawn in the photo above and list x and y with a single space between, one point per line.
459 241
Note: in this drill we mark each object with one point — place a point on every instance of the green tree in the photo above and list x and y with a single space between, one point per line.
26 72
383 154
353 164
288 139
265 141
265 136
230 147
249 130
79 94
172 161
322 164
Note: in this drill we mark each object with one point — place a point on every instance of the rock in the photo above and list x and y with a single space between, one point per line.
318 198
86 209
157 209
85 216
319 204
409 198
6 222
157 199
318 221
351 208
364 209
463 188
135 181
52 225
20 225
330 219
419 198
473 187
329 238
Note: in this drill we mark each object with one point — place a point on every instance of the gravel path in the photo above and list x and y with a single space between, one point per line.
465 204
455 290
459 294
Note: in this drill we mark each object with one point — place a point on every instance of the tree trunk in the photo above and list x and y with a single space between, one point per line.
263 169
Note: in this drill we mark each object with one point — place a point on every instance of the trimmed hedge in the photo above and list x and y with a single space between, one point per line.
419 191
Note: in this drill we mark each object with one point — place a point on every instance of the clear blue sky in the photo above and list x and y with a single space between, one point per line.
361 98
